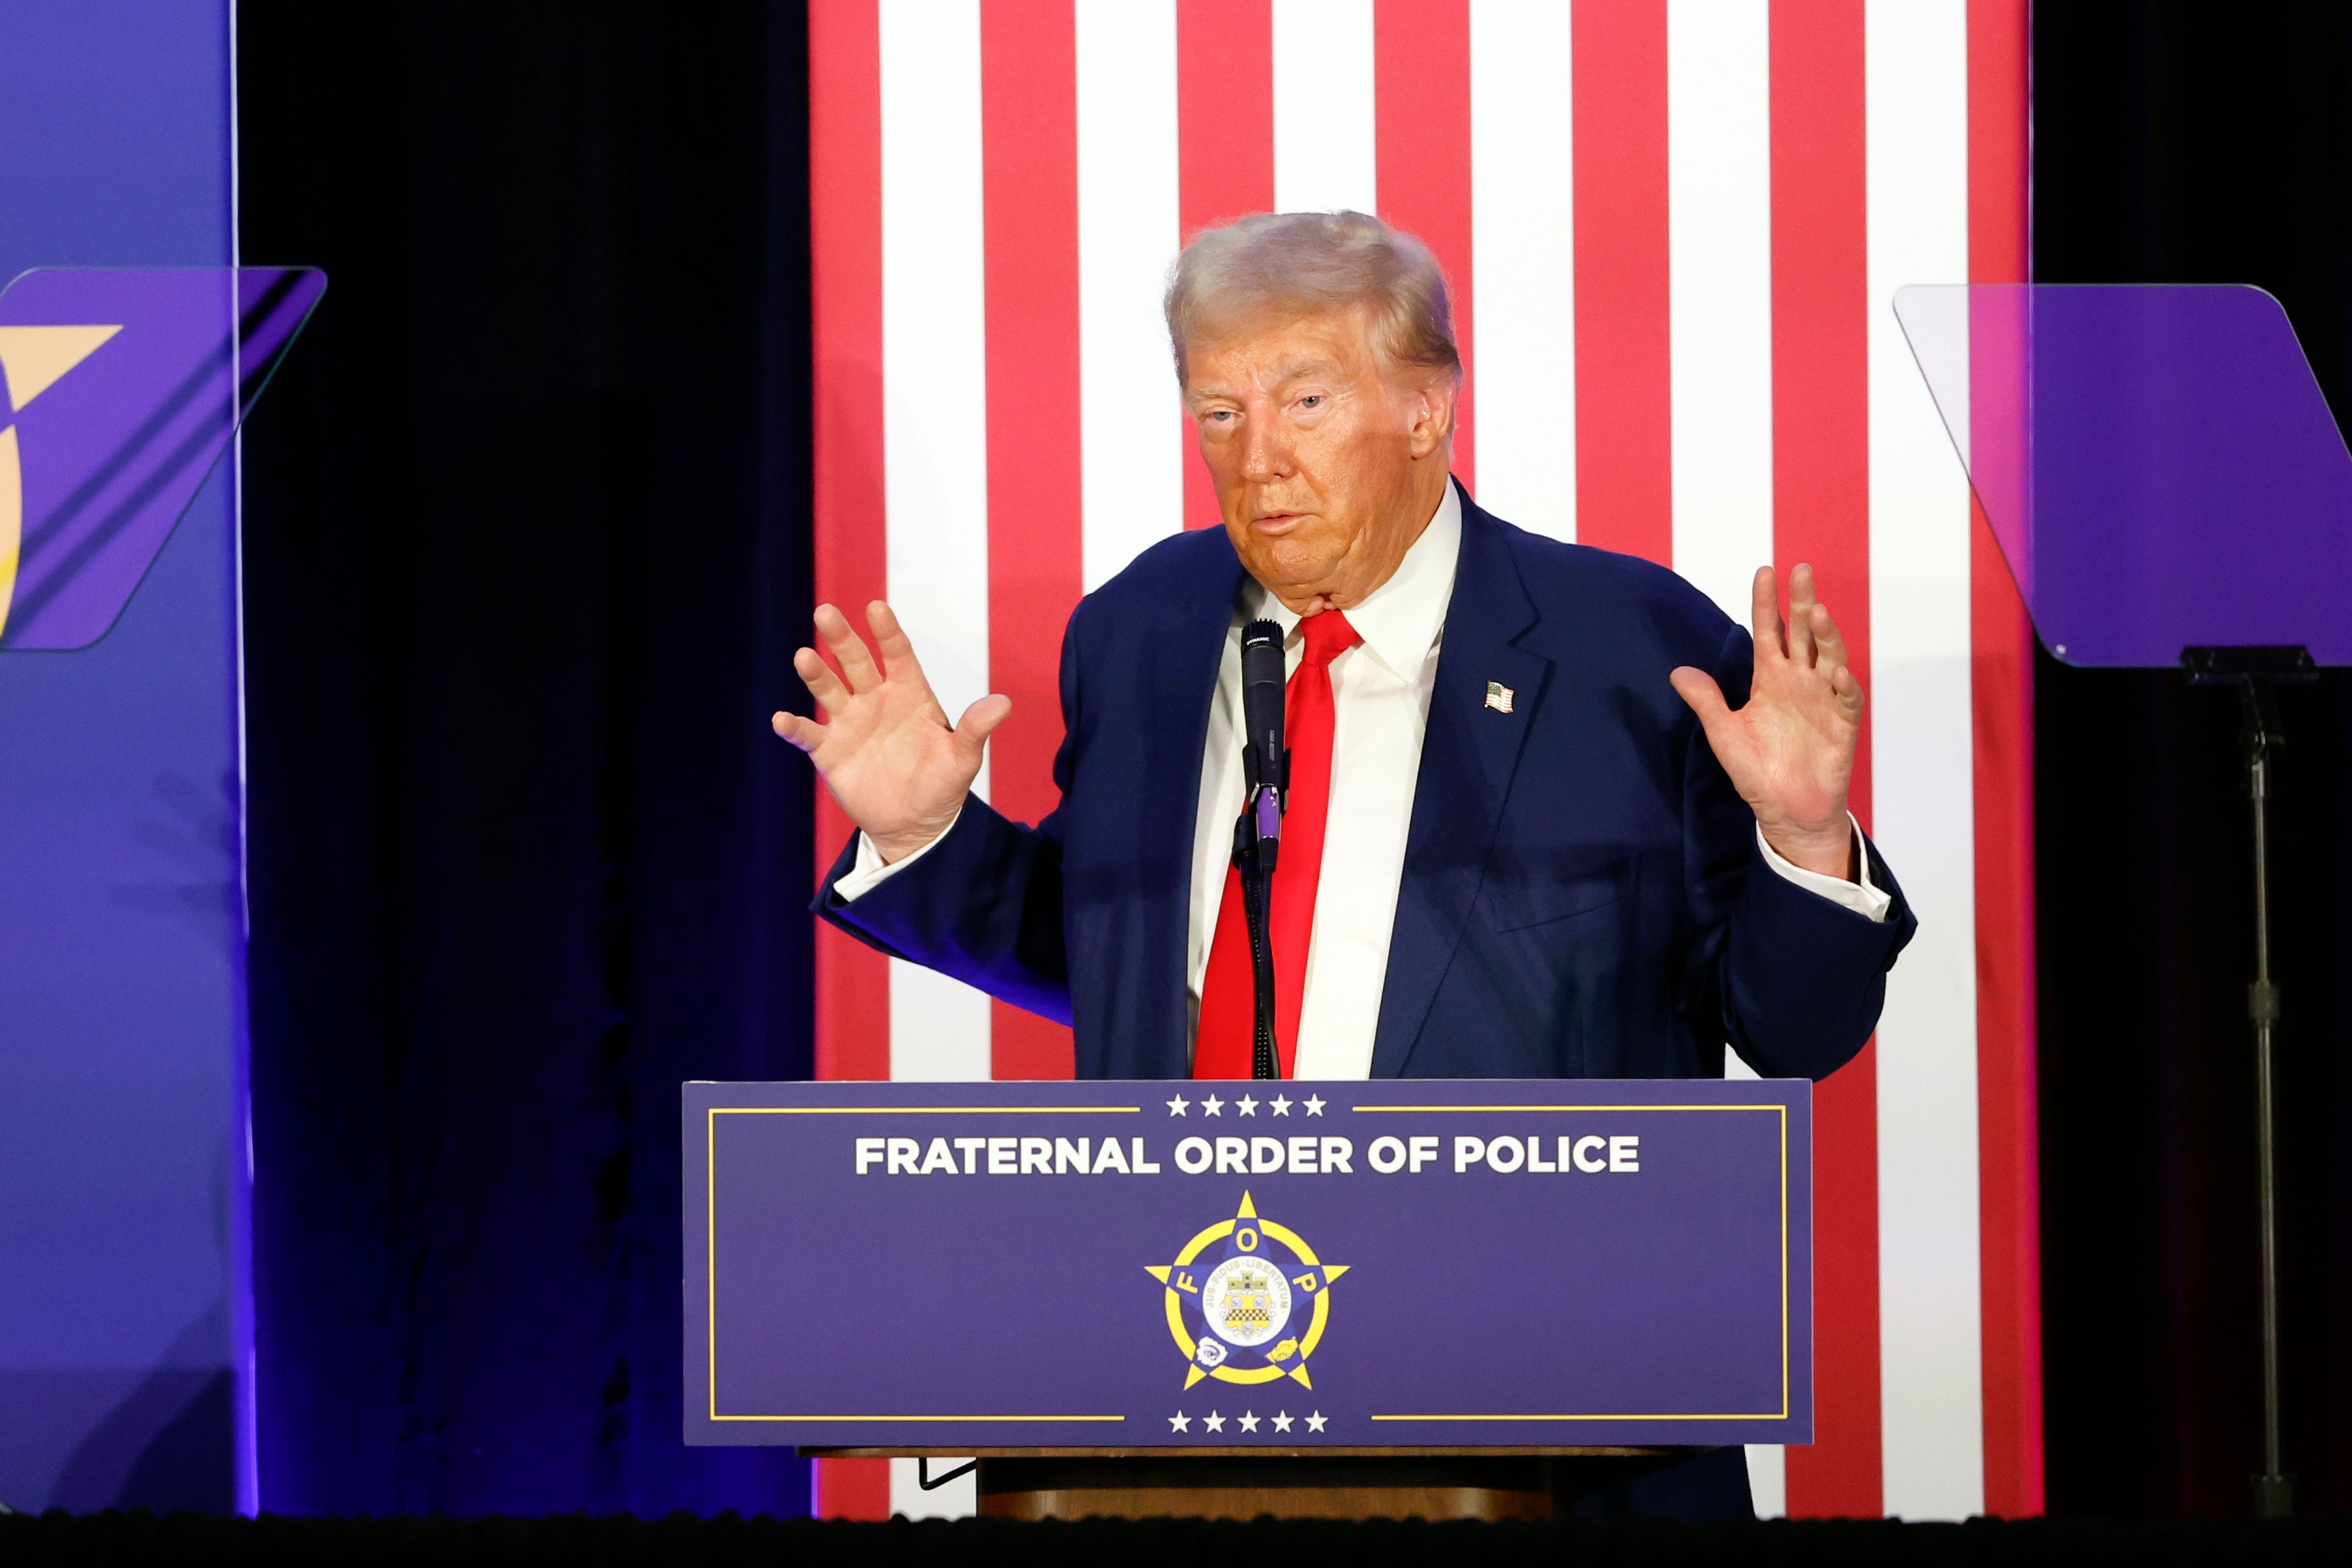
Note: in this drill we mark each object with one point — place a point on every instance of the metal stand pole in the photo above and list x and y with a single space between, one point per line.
2258 673
1258 888
1257 842
2274 1492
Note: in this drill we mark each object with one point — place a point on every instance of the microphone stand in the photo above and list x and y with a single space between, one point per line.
1257 840
1257 836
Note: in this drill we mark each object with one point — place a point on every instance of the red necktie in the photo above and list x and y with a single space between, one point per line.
1228 993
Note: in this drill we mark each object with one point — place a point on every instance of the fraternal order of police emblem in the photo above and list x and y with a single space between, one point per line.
1239 1312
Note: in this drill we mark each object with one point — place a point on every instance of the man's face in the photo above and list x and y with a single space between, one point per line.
1326 468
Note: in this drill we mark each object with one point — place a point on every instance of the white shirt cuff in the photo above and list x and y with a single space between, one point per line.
1862 895
869 873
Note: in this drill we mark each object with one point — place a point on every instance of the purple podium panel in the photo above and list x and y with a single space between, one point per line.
1398 1263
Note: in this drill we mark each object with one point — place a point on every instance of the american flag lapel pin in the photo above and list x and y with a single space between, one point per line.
1499 696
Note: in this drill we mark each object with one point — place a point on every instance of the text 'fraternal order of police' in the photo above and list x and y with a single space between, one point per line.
1593 1154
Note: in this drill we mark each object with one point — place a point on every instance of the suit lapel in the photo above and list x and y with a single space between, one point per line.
1469 755
1190 653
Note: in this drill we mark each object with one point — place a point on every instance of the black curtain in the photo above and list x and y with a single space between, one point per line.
526 555
2195 143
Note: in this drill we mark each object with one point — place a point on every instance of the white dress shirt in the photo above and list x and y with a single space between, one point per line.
1380 690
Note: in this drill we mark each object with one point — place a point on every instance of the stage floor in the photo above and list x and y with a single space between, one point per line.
26 1541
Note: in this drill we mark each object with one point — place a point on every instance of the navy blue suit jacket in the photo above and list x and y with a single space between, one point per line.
1582 896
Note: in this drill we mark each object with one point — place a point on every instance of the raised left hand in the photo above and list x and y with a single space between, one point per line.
1789 750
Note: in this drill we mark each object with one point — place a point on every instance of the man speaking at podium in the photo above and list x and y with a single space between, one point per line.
1549 814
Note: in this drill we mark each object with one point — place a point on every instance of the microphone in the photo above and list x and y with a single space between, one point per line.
1261 719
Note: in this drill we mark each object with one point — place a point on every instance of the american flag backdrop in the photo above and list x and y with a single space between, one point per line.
1673 229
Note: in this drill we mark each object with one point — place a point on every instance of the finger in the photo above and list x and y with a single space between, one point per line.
1697 688
805 734
897 653
848 648
1827 638
1849 691
980 718
821 682
1765 617
1801 615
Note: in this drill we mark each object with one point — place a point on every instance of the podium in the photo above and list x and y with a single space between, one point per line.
1394 1298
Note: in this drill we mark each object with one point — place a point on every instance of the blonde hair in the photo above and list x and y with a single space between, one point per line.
1276 263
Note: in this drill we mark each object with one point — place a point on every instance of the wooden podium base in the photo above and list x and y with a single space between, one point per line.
1246 1483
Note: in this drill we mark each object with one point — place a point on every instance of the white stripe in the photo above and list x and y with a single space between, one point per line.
1719 286
1324 129
1719 266
1523 245
1930 1370
934 429
1132 433
958 1500
1768 1479
1767 1463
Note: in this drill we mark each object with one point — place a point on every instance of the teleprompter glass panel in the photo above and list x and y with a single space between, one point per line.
2157 461
122 386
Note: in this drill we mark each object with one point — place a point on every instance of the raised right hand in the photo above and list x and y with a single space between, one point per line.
885 750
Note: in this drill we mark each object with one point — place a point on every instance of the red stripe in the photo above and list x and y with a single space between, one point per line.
1029 147
2001 686
853 982
1224 110
1421 94
1821 482
851 1488
1225 149
1624 415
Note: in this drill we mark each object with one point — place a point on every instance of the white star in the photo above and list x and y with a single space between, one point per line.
1315 1104
1213 1106
1180 1422
1281 1105
1248 1106
1215 1422
1249 1420
1282 1421
1176 1106
1315 1422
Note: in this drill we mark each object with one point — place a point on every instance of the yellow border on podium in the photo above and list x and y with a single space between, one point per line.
711 1218
710 1249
